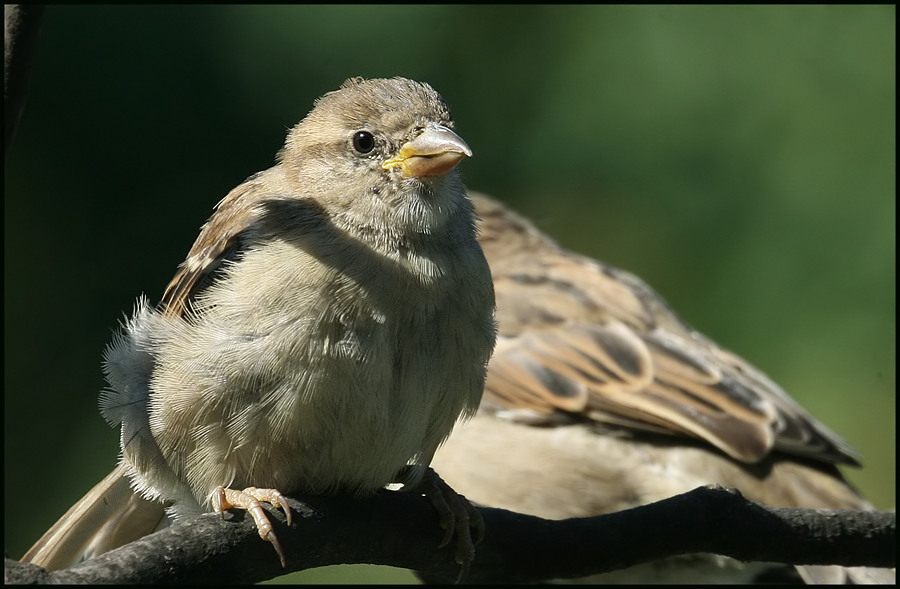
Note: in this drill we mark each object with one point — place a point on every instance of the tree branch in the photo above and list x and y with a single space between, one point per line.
401 530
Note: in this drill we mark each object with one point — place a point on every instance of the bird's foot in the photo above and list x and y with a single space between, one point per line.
458 518
249 498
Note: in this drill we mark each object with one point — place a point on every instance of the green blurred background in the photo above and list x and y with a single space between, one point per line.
739 159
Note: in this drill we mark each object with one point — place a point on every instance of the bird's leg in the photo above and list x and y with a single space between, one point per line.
456 515
249 498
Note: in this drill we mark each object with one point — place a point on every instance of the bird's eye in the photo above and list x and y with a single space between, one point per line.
363 142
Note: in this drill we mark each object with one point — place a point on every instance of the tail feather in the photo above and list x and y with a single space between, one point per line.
110 515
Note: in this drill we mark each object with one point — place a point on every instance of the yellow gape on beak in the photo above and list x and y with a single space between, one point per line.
436 151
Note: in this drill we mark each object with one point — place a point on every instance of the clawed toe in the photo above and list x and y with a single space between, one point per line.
457 518
249 499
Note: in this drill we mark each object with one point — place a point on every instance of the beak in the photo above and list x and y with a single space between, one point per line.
436 151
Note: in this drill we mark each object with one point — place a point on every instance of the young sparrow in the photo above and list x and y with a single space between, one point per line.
331 323
600 398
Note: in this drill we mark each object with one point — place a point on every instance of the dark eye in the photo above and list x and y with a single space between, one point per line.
363 142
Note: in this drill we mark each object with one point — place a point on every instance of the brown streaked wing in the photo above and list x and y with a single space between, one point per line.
796 431
609 374
219 240
563 319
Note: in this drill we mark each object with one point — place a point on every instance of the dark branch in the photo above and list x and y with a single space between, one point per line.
401 530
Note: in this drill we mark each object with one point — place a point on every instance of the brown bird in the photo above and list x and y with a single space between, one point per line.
331 323
600 398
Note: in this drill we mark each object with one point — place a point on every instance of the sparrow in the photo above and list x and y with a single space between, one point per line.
331 323
599 398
